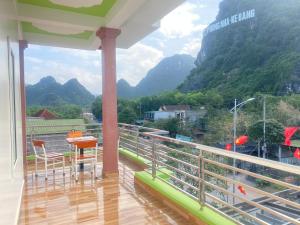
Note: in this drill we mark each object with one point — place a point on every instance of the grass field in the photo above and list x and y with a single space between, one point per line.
54 126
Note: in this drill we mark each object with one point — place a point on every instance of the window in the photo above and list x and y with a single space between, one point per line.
11 61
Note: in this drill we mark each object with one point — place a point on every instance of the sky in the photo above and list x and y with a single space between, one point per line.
180 32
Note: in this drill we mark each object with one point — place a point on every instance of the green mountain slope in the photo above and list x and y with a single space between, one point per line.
260 54
165 76
47 92
125 90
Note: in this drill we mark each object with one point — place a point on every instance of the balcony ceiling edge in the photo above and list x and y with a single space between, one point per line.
62 27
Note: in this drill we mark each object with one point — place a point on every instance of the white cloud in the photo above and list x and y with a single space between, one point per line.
33 59
182 22
180 32
82 54
134 63
192 47
63 72
65 64
35 47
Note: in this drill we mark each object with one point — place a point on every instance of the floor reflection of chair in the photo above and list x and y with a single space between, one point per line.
84 198
109 201
46 194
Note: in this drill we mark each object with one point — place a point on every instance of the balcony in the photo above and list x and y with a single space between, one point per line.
162 181
104 201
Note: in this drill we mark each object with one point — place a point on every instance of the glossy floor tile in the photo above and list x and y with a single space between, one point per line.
110 201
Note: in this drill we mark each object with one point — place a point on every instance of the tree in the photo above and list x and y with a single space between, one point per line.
97 108
64 111
32 110
127 115
274 132
219 128
68 111
171 125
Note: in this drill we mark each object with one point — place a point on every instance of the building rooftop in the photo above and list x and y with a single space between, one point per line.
45 114
174 107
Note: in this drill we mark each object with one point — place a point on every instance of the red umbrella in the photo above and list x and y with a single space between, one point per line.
228 147
297 153
242 189
288 134
241 140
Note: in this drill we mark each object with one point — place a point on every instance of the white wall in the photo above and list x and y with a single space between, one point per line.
158 115
11 173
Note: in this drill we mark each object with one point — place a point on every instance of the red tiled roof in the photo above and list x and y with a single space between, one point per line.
44 113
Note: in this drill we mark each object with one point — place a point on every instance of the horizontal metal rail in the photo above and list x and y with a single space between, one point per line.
273 212
264 193
204 173
55 135
179 171
176 187
177 160
258 176
213 174
177 151
236 209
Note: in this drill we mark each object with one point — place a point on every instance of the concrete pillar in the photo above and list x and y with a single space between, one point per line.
109 100
22 46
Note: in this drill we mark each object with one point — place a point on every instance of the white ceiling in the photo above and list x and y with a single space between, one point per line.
135 18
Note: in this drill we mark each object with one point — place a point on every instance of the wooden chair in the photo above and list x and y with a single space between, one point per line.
41 154
88 157
73 134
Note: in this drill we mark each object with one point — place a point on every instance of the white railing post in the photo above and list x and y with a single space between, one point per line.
31 133
201 179
137 142
153 159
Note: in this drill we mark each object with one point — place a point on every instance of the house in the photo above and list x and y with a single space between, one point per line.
45 114
88 116
158 115
178 111
181 112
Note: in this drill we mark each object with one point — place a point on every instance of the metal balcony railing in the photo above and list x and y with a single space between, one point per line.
256 191
55 135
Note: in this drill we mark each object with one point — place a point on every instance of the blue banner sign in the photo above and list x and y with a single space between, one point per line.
183 138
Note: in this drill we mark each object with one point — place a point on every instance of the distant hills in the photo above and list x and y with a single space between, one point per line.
48 92
241 56
165 76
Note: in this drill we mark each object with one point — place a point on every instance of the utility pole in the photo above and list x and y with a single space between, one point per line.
234 125
264 129
234 146
141 111
234 111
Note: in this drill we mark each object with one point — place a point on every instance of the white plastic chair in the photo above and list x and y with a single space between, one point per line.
49 158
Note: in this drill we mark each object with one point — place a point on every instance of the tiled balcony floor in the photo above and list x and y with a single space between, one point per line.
110 201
